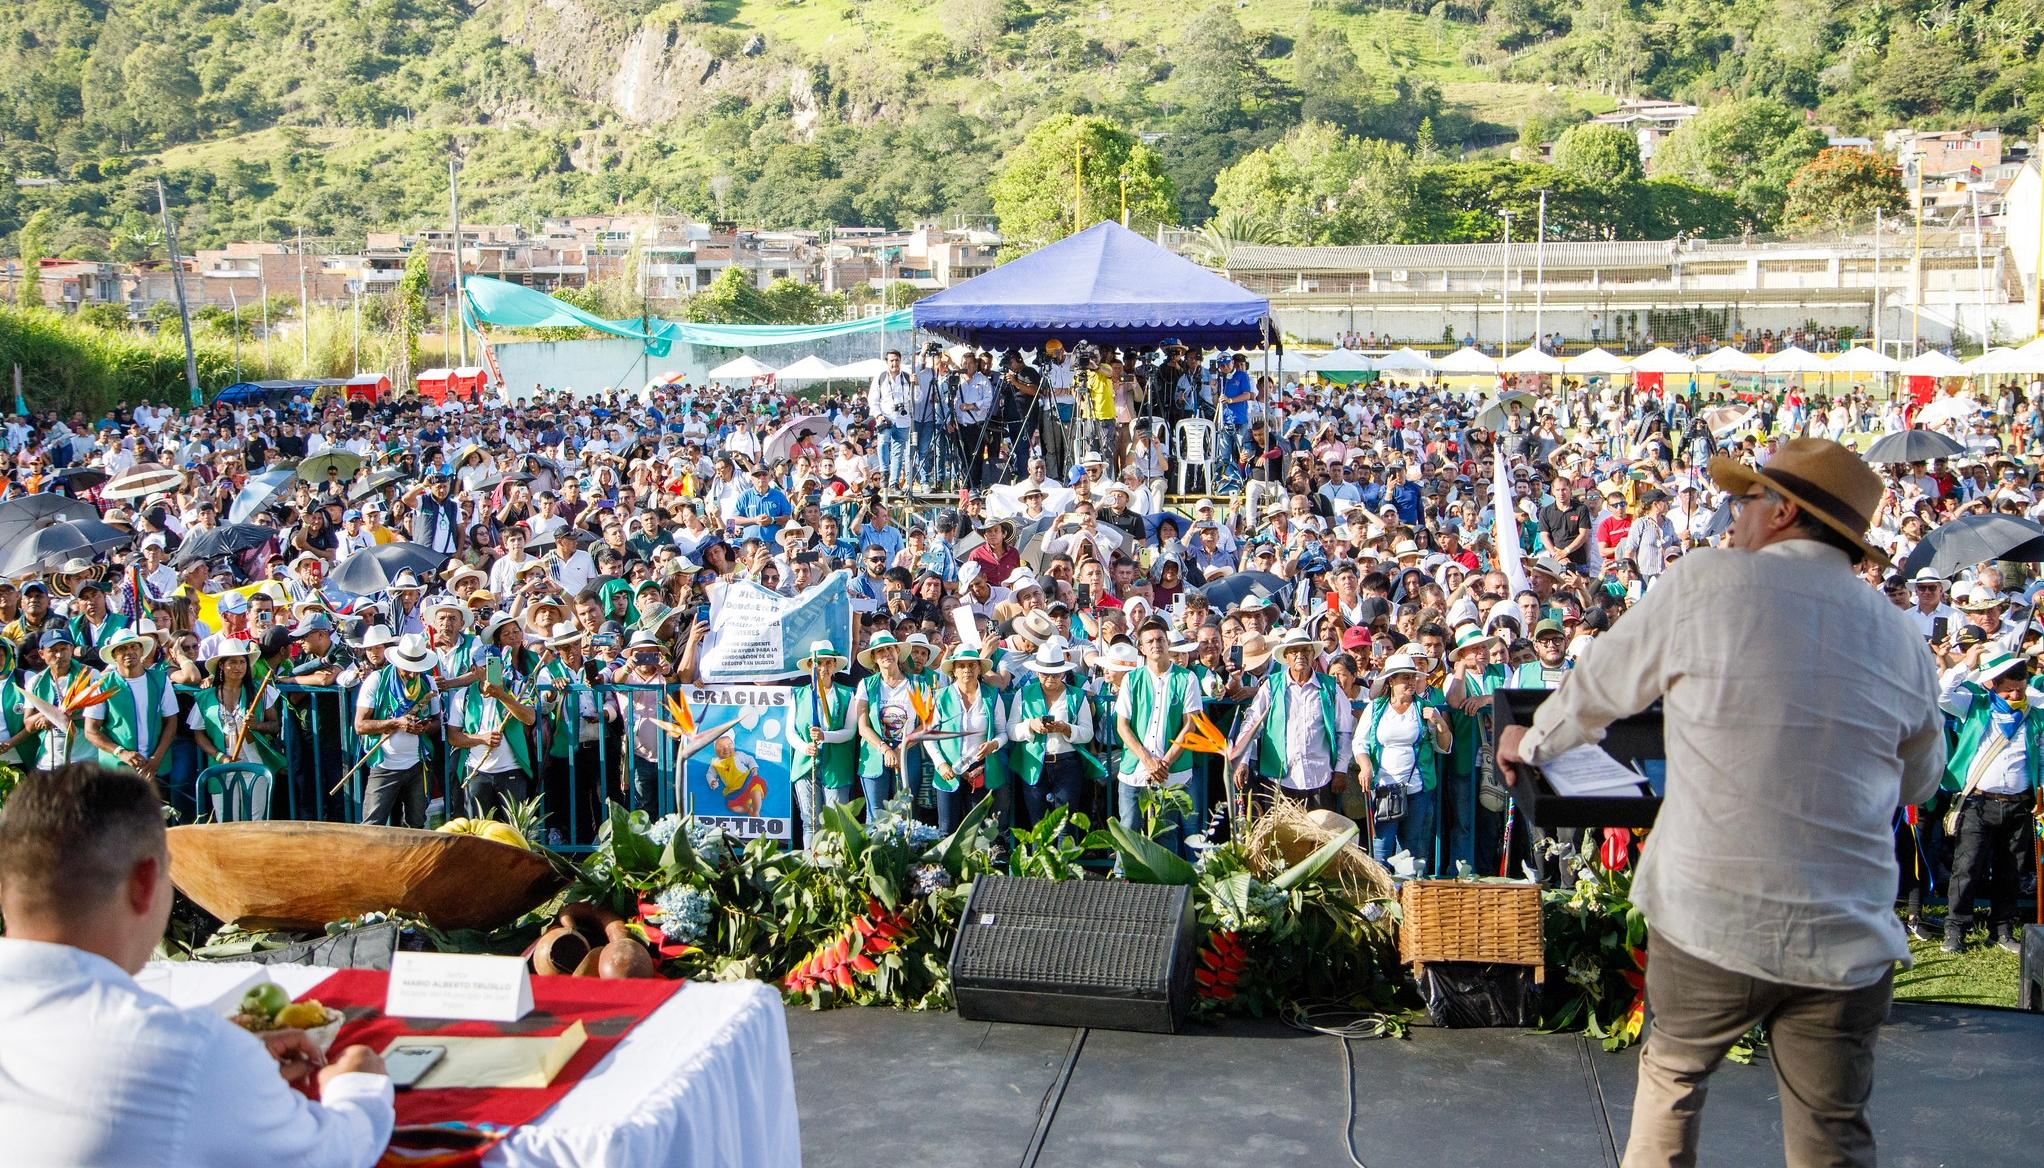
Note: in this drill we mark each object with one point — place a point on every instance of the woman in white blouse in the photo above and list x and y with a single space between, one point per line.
972 759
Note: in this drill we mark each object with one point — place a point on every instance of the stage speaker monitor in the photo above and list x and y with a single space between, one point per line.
1099 953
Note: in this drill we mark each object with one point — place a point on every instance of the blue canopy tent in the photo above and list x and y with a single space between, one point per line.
253 392
1105 284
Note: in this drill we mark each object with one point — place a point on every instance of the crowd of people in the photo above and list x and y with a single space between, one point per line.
1041 616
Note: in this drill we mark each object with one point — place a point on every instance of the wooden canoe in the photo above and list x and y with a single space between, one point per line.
299 875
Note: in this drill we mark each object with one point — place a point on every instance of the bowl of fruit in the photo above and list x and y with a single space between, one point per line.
267 1007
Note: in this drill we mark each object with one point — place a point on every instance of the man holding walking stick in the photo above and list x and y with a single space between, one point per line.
398 703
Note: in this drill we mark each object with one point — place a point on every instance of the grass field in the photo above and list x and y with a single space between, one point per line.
1981 976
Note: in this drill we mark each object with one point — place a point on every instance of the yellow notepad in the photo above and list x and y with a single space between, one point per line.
495 1062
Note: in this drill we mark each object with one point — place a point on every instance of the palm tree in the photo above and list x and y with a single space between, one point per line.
1216 242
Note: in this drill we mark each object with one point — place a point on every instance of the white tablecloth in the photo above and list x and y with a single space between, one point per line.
705 1080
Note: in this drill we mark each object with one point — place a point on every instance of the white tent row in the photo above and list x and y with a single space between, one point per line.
1860 360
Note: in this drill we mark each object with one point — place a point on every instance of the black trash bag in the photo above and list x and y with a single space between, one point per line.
1464 994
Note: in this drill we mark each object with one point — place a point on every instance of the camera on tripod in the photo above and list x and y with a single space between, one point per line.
1085 356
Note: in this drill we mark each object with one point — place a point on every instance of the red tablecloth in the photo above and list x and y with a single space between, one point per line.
607 1009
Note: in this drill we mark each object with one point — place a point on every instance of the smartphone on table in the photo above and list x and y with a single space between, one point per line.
406 1065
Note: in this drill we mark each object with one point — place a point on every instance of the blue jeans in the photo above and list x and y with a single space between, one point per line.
1172 826
932 445
894 453
1455 808
179 778
1414 832
1062 784
646 786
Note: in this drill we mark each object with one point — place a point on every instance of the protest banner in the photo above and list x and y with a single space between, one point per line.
758 635
742 782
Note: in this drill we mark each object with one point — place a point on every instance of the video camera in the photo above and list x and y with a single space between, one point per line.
1085 356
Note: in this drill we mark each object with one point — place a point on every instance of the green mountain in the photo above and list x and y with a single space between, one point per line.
338 115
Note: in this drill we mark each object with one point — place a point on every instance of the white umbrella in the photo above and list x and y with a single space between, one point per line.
1933 364
1661 360
2028 359
1469 360
781 443
1596 363
742 368
1862 359
1727 360
1946 409
1343 361
1530 360
1793 359
810 368
1406 360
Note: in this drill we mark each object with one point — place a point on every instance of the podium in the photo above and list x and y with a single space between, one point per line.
1635 741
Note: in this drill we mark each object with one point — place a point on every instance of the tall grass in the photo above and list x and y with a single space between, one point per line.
70 365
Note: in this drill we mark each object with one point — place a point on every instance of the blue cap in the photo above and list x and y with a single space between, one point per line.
350 513
56 637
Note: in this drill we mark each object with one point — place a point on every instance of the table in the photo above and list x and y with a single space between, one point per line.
704 1080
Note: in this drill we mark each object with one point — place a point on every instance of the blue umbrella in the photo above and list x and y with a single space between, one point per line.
262 489
1151 523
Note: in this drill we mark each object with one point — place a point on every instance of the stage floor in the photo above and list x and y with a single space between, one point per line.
1956 1086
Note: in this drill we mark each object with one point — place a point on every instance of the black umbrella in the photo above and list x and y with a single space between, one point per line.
502 477
213 542
23 514
46 546
79 478
1913 446
373 568
1231 589
376 482
1976 539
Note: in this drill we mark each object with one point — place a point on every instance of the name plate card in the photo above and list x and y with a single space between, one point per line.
458 985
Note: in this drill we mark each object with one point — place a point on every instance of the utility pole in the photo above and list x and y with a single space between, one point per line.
355 295
460 306
1540 272
1124 200
263 286
1877 280
235 301
304 311
1078 185
1980 267
177 281
1505 325
1916 278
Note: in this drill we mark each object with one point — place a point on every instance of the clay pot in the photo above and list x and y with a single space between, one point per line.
559 951
590 920
624 959
589 964
619 930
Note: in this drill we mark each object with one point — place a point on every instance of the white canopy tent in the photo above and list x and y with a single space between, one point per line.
1991 362
1470 360
1407 360
1862 359
1343 361
1661 360
865 370
742 368
1727 360
810 368
1793 359
1932 364
1597 363
1530 360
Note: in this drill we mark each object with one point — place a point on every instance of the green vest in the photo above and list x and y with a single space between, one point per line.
486 714
1423 750
1178 684
123 718
1533 675
53 745
12 715
562 689
81 631
950 715
1469 728
1270 759
1971 735
213 716
837 761
1032 702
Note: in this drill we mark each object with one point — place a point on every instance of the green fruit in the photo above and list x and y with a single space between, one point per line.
265 999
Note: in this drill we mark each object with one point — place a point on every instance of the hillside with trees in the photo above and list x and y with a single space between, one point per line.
1310 121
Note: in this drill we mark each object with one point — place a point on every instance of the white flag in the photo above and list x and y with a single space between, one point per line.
1504 531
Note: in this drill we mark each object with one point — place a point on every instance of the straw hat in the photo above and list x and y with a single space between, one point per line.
1118 658
376 636
225 648
1299 638
1051 657
412 654
565 634
1035 627
1471 637
1397 664
130 636
1828 481
1257 650
1993 667
966 655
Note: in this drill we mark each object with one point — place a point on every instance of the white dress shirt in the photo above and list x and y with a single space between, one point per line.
96 1070
1800 712
1308 767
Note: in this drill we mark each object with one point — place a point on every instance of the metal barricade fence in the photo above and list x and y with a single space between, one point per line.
596 752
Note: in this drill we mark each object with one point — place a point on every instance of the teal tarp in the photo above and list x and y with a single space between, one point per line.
509 305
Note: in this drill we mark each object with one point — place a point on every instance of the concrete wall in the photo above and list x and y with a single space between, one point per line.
589 367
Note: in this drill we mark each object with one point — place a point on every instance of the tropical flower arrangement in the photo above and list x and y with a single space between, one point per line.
1596 939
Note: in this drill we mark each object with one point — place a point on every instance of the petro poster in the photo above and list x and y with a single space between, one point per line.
740 782
759 635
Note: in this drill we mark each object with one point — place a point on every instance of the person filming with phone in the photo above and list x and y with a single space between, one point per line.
96 1070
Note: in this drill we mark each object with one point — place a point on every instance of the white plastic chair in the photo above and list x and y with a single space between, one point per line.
1195 450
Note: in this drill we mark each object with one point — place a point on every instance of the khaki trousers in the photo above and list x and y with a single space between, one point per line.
1820 1041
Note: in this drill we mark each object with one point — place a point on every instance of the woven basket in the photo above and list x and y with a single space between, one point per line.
1461 920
